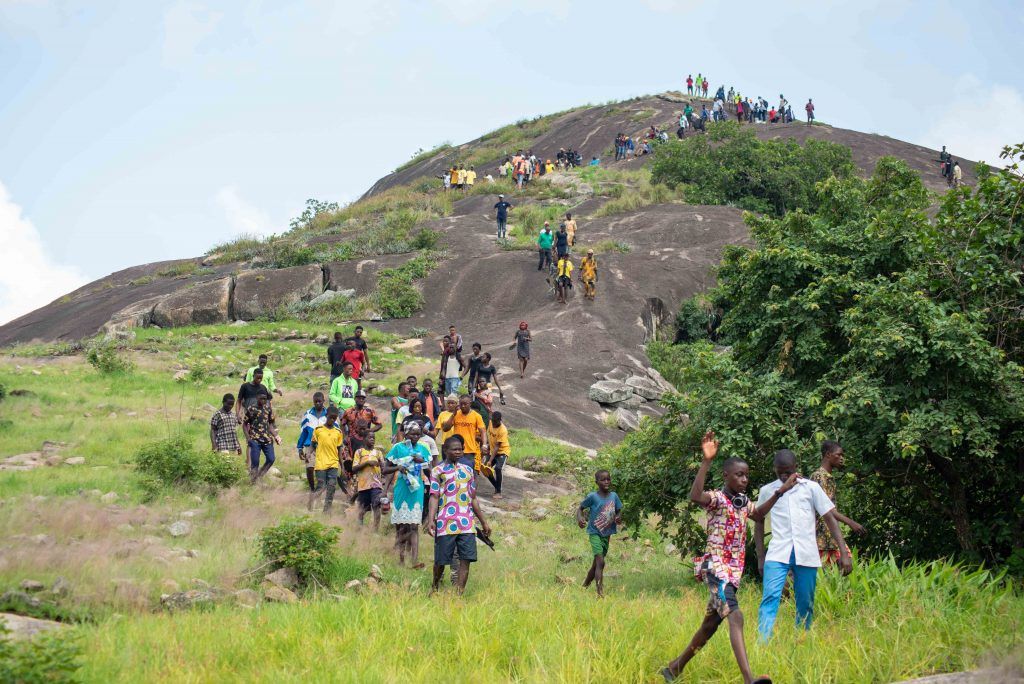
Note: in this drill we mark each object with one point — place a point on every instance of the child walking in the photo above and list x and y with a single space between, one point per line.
328 442
721 566
366 465
604 508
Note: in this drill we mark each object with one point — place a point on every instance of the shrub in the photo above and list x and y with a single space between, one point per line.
303 544
51 658
176 462
108 359
314 208
697 320
396 295
141 280
186 268
3 390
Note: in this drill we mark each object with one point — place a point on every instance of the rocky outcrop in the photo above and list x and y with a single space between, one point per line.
630 393
208 302
137 315
609 392
261 292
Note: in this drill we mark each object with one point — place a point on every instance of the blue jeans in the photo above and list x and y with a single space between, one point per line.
805 579
452 385
502 221
254 454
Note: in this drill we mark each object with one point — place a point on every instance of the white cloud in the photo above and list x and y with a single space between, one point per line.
186 26
976 121
242 217
29 278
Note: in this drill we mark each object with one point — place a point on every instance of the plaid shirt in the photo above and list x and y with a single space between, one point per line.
225 431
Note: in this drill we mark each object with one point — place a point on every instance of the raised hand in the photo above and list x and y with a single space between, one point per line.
709 445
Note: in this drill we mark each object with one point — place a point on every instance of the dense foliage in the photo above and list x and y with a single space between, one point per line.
730 165
106 357
869 323
51 658
176 462
303 544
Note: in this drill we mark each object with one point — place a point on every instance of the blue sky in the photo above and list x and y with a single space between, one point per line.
139 131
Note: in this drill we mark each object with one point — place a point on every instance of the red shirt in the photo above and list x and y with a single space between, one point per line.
356 358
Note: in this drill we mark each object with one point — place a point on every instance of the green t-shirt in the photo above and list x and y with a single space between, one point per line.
343 392
545 240
268 378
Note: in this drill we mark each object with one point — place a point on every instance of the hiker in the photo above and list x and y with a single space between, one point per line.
261 435
450 520
344 388
604 508
588 275
498 451
451 405
334 352
570 228
501 213
832 458
455 340
739 112
404 463
704 86
683 123
360 343
544 242
450 370
809 108
721 566
689 84
454 176
359 414
944 158
793 546
488 373
563 278
432 404
958 176
249 392
772 116
327 441
413 413
562 241
468 424
268 375
470 178
366 466
548 167
482 401
521 343
620 146
356 358
311 420
224 428
473 364
411 381
400 399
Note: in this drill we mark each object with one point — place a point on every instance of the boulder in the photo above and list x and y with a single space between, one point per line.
353 585
208 302
74 460
137 315
609 392
32 586
657 377
284 577
180 528
626 420
262 291
645 387
193 598
276 594
632 403
109 497
61 587
328 295
21 627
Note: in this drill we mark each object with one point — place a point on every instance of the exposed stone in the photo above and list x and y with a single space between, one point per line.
632 403
626 420
276 594
22 627
609 392
180 528
32 585
260 292
657 377
109 497
74 460
353 585
539 513
670 549
137 315
205 303
657 319
284 577
170 586
193 598
645 387
328 295
61 587
274 472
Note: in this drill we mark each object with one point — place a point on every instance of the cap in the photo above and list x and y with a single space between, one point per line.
590 251
500 196
452 397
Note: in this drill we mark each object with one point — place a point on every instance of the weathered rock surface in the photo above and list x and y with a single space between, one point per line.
22 627
626 420
204 303
180 528
609 392
284 577
136 315
276 594
262 291
645 387
193 598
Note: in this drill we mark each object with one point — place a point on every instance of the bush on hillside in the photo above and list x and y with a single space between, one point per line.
730 165
107 358
397 295
314 208
50 657
307 546
176 462
3 390
871 324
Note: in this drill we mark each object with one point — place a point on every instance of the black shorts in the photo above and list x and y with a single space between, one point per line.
369 498
721 594
445 545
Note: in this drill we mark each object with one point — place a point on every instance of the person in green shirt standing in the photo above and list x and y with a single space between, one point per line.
344 388
544 242
268 375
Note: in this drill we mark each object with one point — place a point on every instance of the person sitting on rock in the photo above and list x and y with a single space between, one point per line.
268 375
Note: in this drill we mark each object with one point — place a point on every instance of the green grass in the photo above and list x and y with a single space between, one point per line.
423 155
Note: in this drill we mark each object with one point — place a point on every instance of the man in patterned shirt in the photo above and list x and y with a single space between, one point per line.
224 428
832 457
261 432
450 519
721 566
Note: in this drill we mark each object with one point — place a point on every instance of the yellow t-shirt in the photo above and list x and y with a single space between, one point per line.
564 268
498 437
470 177
369 477
588 268
467 426
441 434
462 176
327 440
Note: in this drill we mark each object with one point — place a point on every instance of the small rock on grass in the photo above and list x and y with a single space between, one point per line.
109 497
277 594
61 587
179 528
74 460
353 585
32 585
284 577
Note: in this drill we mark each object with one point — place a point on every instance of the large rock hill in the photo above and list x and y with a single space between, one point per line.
482 288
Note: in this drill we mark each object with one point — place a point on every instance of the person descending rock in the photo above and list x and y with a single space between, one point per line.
467 424
832 458
404 464
400 399
451 405
498 451
360 343
451 368
356 357
588 274
605 513
268 375
344 388
250 391
366 466
544 242
944 162
721 566
562 241
432 404
570 228
689 84
261 435
311 420
224 428
958 176
327 441
489 374
451 519
473 365
809 108
501 214
334 352
563 278
521 343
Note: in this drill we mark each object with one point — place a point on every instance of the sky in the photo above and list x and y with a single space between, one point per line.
133 132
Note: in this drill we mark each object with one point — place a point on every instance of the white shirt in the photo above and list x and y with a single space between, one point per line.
793 521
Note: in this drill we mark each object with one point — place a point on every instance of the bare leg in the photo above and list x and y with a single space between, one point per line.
376 519
463 575
599 574
414 544
400 543
311 478
590 573
706 630
438 576
739 648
